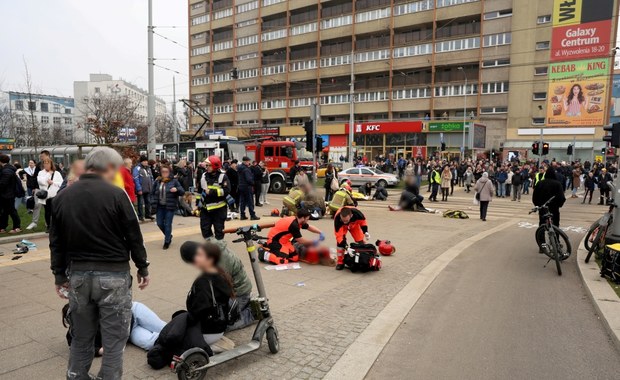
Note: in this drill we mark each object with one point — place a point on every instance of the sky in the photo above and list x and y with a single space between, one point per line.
64 41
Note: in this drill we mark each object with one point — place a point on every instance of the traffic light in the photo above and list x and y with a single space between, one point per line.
443 146
603 151
234 73
614 138
309 127
319 144
535 148
545 149
492 154
569 150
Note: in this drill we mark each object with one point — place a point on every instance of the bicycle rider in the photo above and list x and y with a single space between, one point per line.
546 188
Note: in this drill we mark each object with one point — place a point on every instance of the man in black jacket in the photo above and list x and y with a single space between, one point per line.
246 185
544 190
8 187
233 178
258 182
94 232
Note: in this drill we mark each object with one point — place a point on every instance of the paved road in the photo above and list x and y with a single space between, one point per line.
495 312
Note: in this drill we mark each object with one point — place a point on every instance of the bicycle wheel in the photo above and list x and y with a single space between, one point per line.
563 243
557 254
587 243
596 243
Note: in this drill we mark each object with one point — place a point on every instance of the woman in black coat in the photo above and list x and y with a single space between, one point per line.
165 198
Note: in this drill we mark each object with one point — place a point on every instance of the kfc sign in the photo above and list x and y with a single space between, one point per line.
386 127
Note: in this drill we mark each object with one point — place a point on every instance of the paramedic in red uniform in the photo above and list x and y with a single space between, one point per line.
286 233
349 219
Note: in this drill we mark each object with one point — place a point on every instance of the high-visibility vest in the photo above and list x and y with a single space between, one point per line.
217 186
435 177
538 178
292 199
340 199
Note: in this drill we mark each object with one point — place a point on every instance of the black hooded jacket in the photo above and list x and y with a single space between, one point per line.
547 188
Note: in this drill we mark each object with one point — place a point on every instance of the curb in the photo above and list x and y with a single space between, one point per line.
604 299
361 355
18 238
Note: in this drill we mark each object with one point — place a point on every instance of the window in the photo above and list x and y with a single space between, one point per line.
541 70
247 7
32 106
198 66
69 134
44 107
247 56
271 2
447 3
416 6
201 50
336 22
222 45
68 111
305 28
272 70
543 19
223 77
497 39
411 93
376 55
542 45
273 35
452 45
272 104
242 107
246 23
496 62
456 90
498 14
335 99
249 40
494 87
303 65
56 108
56 120
365 171
540 96
200 81
198 36
226 108
200 19
374 14
336 61
538 121
249 73
45 120
68 121
97 90
198 5
248 89
19 105
410 51
223 13
376 96
491 110
300 102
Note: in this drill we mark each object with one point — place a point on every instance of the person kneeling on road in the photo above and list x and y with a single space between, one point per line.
342 198
285 234
291 202
349 219
232 265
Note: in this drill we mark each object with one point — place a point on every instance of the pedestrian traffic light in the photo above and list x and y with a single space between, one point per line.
569 150
545 149
309 127
614 138
319 144
443 146
603 151
535 148
234 73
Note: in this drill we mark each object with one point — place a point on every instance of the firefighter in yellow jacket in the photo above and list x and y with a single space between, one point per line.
291 202
215 188
342 198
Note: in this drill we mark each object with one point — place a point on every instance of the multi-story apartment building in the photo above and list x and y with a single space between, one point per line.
52 116
102 85
429 65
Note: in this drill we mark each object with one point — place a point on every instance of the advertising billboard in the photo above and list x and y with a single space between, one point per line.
615 100
581 29
386 127
447 126
577 92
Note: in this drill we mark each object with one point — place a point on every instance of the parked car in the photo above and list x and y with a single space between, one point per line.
320 172
359 176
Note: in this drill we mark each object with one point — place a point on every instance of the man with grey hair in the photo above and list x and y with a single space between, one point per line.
94 232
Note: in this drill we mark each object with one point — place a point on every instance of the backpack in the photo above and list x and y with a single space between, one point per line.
455 214
362 258
19 188
610 264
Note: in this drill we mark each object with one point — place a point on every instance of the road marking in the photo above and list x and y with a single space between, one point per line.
363 352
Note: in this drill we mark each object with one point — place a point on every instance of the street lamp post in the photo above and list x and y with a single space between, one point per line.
464 114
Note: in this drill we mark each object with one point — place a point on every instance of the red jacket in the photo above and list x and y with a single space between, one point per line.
130 187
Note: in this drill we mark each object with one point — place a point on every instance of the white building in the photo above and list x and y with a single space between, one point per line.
103 85
54 116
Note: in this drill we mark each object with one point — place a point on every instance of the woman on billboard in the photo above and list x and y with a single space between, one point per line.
575 101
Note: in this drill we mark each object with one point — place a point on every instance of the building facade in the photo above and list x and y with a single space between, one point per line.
52 117
103 85
262 63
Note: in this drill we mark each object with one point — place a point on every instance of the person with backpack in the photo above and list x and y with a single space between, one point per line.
214 207
165 199
10 189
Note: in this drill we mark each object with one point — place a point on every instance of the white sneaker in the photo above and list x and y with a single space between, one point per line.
31 226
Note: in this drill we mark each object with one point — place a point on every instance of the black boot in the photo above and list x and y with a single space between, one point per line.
340 267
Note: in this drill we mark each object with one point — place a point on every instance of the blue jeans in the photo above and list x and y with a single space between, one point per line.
146 326
418 180
526 187
164 222
144 206
502 189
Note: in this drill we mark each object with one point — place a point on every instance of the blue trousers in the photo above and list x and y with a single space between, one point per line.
246 201
164 222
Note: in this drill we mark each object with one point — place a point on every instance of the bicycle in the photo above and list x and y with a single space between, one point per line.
595 238
551 239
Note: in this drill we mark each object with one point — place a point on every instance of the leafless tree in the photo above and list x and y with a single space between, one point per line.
164 128
107 115
27 127
57 136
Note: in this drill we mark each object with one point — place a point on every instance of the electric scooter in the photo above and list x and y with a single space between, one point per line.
194 363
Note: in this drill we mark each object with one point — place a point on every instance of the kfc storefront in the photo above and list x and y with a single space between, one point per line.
385 138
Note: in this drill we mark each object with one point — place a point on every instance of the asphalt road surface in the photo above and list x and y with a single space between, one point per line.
496 313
